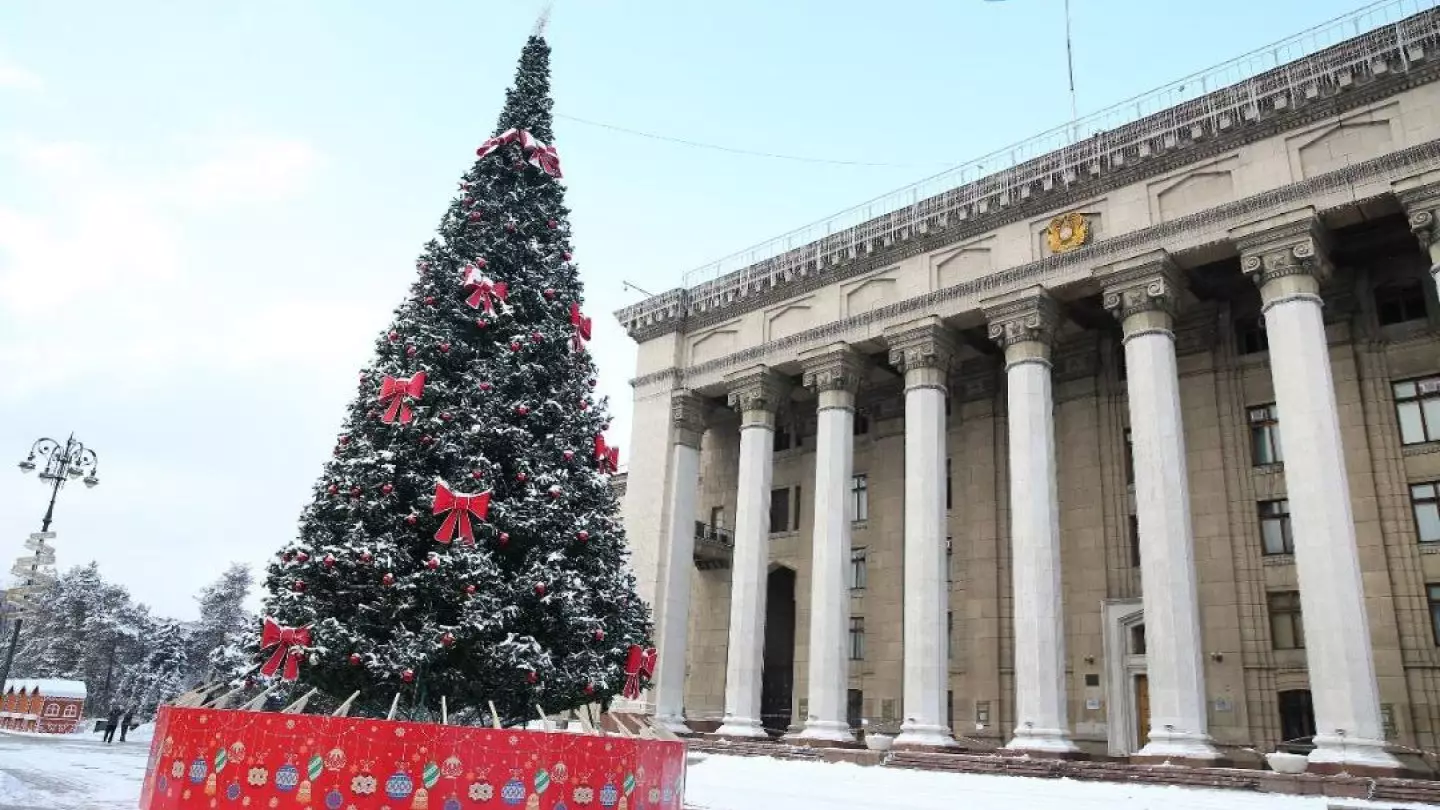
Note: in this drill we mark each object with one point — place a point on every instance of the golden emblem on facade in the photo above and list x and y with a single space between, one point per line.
1067 232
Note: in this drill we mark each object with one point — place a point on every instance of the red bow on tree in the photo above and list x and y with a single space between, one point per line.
460 506
608 458
542 157
396 393
582 328
639 664
287 642
482 290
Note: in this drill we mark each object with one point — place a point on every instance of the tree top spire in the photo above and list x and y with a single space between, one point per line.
544 19
527 102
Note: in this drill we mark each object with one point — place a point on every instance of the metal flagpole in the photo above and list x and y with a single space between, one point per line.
1069 62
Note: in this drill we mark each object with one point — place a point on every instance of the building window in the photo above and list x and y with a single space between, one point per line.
854 708
1265 436
1129 458
1250 336
1287 629
1275 534
857 568
1297 717
784 515
859 499
784 439
1417 405
1134 541
1424 500
1400 301
1120 370
71 710
857 638
1137 640
948 502
862 423
1433 592
949 560
52 710
950 634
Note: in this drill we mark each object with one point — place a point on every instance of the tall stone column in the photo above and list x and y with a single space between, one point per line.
833 373
1025 327
1286 257
1422 204
923 351
756 394
1143 296
687 416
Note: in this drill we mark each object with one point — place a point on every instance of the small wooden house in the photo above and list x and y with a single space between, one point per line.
45 705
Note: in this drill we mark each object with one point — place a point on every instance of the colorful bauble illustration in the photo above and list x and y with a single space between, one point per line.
430 775
532 803
451 803
422 800
257 776
542 781
654 795
363 784
560 773
232 791
167 746
198 769
315 767
287 778
629 783
335 760
303 794
583 795
210 785
164 783
399 785
609 796
177 769
451 767
334 800
481 791
221 757
237 750
513 792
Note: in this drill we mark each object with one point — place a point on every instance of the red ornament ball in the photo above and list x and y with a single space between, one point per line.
355 492
481 322
427 439
301 556
469 201
531 676
556 491
584 404
550 293
569 455
469 589
477 474
552 224
387 580
432 563
366 557
605 426
407 675
599 634
510 226
333 489
504 538
590 382
447 639
445 416
481 263
344 439
514 345
539 589
410 351
394 336
521 477
354 659
474 216
444 348
412 519
589 688
582 535
485 386
329 560
386 489
536 337
567 255
285 558
429 300
522 409
298 586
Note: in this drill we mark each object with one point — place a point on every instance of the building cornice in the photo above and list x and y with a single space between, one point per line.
697 308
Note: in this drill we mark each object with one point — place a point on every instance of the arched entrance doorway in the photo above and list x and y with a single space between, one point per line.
777 680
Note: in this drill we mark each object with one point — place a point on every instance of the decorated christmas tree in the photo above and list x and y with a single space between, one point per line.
464 540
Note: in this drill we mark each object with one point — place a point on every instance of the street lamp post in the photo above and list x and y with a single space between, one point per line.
57 463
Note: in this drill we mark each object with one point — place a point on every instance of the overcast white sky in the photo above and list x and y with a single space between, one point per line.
208 211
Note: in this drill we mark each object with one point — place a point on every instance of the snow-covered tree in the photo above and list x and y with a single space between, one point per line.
464 541
162 673
218 639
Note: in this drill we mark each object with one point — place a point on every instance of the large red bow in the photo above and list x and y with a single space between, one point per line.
396 393
287 642
482 290
582 328
608 458
460 506
541 157
640 664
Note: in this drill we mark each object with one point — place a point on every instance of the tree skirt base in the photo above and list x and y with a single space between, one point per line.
218 758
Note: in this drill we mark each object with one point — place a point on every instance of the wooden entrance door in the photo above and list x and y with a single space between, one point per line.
1142 711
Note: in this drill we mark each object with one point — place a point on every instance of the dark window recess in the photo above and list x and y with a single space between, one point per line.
784 438
1433 592
857 638
1092 679
1297 716
779 511
854 707
1250 336
1129 457
1400 301
1120 370
1275 534
795 512
1265 435
948 502
950 634
862 423
1134 541
1287 627
1137 640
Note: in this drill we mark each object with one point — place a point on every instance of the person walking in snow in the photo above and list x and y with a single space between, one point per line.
125 722
111 721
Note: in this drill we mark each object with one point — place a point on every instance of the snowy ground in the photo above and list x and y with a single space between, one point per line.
78 771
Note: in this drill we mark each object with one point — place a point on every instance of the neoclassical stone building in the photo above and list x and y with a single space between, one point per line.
1132 448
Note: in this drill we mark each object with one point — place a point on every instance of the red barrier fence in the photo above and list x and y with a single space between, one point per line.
219 758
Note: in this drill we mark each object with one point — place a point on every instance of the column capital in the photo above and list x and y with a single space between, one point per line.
755 389
833 368
687 415
1149 283
921 344
1028 318
1420 197
1292 244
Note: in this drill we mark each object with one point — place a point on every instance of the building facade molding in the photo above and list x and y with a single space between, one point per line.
927 344
1293 244
755 389
833 368
1051 267
687 415
1149 284
1030 317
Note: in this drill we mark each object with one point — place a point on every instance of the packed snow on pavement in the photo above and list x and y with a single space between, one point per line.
52 772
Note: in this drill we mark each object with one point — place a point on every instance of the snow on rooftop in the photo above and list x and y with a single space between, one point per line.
49 687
